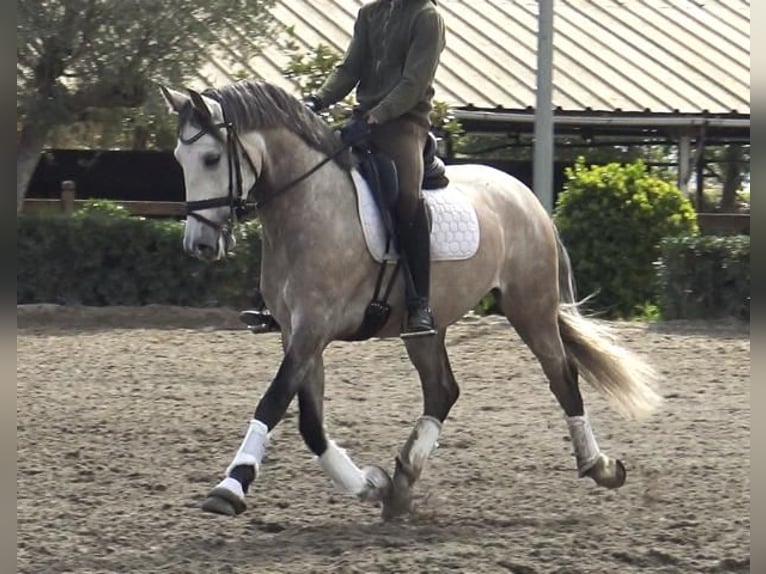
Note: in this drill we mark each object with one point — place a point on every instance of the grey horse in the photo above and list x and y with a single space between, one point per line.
253 140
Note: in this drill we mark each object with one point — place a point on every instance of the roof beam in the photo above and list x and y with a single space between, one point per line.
636 121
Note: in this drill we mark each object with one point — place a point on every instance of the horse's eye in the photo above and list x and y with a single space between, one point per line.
211 159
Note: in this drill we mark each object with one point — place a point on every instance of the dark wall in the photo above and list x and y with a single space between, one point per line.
156 176
126 175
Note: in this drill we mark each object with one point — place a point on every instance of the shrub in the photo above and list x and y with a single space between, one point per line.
98 257
705 277
101 208
612 219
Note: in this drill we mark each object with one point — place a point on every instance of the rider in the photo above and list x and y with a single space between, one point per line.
391 61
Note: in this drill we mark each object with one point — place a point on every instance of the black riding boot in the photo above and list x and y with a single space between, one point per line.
416 246
259 320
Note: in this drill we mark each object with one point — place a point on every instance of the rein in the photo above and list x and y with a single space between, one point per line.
300 178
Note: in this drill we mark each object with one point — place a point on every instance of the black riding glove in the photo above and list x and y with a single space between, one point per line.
313 103
356 133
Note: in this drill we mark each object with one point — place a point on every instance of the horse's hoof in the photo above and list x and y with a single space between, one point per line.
608 472
619 477
397 505
223 501
378 484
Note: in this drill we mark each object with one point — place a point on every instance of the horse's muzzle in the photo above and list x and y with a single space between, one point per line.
206 242
205 252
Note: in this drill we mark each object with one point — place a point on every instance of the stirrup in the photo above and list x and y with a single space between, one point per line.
423 326
415 334
259 321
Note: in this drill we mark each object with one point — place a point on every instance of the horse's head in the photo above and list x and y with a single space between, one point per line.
217 172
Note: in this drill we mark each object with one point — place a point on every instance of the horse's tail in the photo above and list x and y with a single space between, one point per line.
626 380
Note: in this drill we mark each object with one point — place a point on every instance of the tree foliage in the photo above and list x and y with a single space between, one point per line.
730 168
79 59
308 69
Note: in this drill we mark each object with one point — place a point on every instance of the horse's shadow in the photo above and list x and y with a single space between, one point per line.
264 542
277 541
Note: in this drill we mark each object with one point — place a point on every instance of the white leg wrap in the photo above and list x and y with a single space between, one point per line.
348 477
585 446
232 485
426 433
253 447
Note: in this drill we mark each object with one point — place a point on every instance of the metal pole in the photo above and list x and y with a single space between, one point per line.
68 194
684 162
543 160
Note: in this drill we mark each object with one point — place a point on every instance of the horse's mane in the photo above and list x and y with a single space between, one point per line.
253 105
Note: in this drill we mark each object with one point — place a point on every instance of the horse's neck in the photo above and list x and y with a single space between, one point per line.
311 208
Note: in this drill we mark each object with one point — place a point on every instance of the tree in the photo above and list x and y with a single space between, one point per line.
77 59
308 69
731 167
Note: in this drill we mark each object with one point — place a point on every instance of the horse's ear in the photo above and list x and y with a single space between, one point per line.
175 100
199 103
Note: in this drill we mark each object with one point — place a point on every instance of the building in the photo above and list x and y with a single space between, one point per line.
625 71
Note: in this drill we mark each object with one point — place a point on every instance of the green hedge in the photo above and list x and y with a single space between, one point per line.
705 277
102 257
612 219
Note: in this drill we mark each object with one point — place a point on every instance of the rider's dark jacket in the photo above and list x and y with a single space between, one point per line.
391 60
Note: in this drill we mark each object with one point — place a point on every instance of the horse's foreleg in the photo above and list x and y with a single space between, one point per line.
369 483
440 392
228 497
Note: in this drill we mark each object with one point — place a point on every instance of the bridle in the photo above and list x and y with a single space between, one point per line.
236 200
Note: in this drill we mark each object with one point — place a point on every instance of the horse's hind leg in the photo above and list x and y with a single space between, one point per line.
536 322
440 392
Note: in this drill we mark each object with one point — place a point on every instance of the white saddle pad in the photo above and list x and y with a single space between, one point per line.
454 230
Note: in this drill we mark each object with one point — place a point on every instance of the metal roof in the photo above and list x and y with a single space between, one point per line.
646 56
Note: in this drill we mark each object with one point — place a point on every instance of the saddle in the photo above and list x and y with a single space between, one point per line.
380 174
